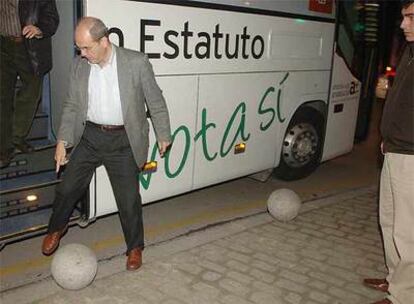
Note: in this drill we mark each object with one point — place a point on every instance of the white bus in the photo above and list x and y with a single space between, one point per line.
250 86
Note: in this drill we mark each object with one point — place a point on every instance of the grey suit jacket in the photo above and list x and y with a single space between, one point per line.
137 88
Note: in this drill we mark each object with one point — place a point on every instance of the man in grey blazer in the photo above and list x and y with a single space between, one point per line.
104 120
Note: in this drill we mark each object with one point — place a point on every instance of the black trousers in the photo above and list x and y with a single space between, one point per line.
111 149
16 110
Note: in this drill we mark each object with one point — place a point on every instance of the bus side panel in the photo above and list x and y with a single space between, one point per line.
342 112
181 95
175 170
235 109
254 109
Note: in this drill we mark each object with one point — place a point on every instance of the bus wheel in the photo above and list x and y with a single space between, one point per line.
302 145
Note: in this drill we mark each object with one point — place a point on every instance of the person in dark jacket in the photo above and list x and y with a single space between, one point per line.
397 176
26 27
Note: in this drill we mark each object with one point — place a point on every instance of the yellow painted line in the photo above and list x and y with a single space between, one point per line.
23 266
202 217
108 243
150 232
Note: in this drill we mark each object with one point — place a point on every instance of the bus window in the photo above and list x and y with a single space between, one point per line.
349 36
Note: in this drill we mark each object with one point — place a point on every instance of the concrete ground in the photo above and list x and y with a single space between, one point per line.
319 257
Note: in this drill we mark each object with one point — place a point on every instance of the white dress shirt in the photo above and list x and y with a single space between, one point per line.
104 101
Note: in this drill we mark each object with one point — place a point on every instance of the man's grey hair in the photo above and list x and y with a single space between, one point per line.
97 29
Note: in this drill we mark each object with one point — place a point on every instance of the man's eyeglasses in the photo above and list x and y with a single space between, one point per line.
86 48
90 47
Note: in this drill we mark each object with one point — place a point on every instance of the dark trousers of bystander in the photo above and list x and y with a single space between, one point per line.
17 109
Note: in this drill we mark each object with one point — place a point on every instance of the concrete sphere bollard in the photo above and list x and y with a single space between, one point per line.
74 266
283 204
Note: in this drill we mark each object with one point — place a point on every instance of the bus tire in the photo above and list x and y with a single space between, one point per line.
302 145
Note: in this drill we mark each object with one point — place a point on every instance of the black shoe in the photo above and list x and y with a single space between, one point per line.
23 147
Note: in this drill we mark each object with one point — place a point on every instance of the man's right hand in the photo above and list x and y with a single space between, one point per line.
31 31
60 155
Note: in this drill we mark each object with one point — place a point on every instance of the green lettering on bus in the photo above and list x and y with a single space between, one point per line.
240 129
279 93
185 154
240 111
203 134
270 110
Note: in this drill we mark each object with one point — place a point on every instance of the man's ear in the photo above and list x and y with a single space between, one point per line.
105 41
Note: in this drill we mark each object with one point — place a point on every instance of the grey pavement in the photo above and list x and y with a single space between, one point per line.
319 257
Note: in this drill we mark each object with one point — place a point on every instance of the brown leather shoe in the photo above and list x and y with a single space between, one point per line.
378 284
51 241
134 260
383 301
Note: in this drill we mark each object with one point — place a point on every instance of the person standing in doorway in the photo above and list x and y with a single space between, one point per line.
397 176
104 120
26 28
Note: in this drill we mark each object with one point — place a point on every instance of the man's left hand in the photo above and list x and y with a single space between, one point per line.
31 31
163 146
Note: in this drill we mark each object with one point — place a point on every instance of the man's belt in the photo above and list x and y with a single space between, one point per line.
106 127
